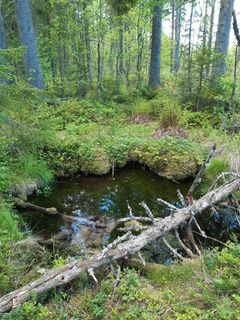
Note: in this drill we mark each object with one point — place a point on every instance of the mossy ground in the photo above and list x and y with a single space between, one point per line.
40 140
204 288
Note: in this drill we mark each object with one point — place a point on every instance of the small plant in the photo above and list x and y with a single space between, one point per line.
170 116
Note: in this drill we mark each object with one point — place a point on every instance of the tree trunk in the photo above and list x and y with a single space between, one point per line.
172 33
99 67
88 43
2 32
189 69
176 52
132 245
210 37
27 36
222 37
154 73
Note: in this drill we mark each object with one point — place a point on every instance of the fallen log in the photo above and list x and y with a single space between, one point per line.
18 203
133 244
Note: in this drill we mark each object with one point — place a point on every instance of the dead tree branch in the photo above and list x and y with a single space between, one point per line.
133 244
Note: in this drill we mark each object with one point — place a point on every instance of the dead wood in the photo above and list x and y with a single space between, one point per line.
18 203
127 245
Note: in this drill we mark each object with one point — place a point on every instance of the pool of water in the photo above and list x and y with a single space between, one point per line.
107 196
98 196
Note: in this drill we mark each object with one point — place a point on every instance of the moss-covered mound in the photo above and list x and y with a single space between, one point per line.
172 157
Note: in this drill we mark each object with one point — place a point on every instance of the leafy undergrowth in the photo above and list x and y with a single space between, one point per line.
41 139
206 288
21 256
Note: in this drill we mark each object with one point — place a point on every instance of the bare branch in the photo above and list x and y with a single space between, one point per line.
174 251
185 248
148 211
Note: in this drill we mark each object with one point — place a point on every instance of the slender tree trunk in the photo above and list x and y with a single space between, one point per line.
176 53
210 37
154 72
222 37
88 43
140 52
172 33
204 43
121 48
189 71
27 36
3 59
2 32
99 80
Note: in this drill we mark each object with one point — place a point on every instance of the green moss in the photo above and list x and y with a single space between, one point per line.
174 275
216 167
94 161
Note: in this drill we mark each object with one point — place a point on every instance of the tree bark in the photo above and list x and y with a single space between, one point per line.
99 60
189 65
65 274
154 73
88 46
176 51
27 36
222 37
2 32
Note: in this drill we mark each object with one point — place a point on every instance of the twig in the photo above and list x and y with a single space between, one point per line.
129 210
223 175
91 273
148 211
174 251
191 239
198 178
135 228
214 239
141 219
116 242
181 198
187 250
171 206
141 258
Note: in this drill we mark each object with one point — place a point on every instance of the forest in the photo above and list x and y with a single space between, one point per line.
119 159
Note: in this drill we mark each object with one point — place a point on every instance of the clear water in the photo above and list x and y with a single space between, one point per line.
87 196
98 196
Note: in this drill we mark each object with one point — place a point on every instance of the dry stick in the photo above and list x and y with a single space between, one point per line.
18 203
141 219
174 251
142 259
214 239
135 228
171 206
148 211
191 238
223 175
65 274
195 183
198 178
130 210
183 246
181 198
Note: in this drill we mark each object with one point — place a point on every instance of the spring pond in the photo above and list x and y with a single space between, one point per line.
87 196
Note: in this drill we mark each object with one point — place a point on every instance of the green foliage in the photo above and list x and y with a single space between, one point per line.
170 116
228 261
28 311
216 167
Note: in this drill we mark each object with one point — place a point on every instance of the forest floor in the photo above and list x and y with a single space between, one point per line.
43 139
